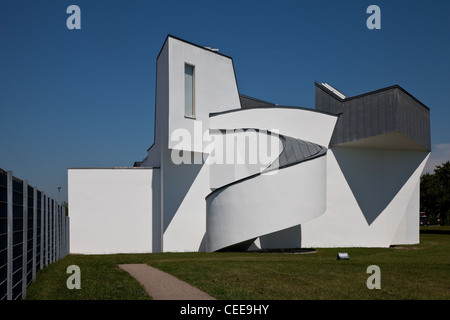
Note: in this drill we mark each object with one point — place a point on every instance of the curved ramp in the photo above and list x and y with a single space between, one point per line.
289 192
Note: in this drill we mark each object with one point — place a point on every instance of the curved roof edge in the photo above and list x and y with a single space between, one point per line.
273 107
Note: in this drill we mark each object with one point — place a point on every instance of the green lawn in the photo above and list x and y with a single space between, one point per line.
407 272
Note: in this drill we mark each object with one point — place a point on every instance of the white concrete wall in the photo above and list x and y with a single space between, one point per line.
111 210
297 123
266 204
270 206
215 87
372 199
240 154
184 188
154 157
407 231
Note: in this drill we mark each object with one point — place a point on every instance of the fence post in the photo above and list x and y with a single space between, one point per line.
24 237
68 235
58 213
50 212
66 238
58 216
41 260
46 230
54 231
63 228
58 233
63 233
33 268
9 235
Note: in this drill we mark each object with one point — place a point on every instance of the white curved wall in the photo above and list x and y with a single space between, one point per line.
241 154
266 203
307 125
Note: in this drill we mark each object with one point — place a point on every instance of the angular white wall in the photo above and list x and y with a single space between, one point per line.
372 199
215 86
110 210
185 186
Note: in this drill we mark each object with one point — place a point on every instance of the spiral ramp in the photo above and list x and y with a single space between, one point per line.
288 192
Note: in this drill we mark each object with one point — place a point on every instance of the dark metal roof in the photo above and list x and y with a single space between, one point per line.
249 102
296 151
388 110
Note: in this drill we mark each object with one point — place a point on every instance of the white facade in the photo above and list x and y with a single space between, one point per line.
240 173
387 212
111 208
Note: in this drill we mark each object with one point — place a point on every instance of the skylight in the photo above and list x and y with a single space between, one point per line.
336 92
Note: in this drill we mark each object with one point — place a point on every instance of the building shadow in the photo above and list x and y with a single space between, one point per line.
375 176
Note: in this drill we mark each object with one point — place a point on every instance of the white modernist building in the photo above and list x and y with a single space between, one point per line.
230 172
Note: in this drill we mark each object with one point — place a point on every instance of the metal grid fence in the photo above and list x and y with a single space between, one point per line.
34 232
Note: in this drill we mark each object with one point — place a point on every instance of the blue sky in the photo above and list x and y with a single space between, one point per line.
85 98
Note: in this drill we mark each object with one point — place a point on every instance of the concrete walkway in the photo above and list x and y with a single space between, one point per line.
163 286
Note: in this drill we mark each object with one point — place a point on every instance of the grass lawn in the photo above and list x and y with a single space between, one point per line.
407 272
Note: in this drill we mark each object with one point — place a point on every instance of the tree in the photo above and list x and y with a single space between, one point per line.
435 193
66 207
442 177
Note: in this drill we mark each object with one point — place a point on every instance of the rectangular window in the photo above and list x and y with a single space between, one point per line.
189 96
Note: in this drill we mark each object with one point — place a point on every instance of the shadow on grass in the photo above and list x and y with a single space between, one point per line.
293 250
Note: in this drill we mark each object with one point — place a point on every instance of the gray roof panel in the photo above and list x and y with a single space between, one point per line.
375 113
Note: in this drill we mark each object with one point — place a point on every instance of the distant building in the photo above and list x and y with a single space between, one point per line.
227 171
